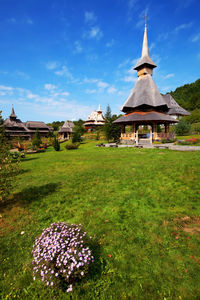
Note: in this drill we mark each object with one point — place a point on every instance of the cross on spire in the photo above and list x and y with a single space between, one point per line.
145 19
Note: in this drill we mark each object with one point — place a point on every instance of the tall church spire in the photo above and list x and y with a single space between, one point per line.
145 64
145 48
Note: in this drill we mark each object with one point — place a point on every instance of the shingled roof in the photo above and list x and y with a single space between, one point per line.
145 92
67 127
174 107
143 117
36 124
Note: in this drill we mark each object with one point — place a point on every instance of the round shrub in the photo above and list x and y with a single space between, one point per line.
61 254
72 146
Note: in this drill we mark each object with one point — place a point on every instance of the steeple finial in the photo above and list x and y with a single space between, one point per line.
13 115
145 48
99 108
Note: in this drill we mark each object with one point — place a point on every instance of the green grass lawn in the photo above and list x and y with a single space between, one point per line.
186 137
141 206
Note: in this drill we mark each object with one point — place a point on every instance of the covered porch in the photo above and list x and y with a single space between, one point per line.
150 119
135 137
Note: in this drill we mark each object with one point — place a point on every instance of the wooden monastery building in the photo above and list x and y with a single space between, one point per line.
95 120
14 127
146 106
65 132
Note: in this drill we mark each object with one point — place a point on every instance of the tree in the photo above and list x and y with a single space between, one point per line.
183 127
56 144
108 124
36 142
56 125
7 169
111 130
78 131
194 117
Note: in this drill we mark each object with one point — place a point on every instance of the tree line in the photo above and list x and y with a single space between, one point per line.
188 96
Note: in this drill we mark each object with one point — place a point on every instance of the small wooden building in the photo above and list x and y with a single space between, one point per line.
145 105
65 132
14 127
95 120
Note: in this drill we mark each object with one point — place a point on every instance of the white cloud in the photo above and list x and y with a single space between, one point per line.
21 74
182 27
51 65
111 90
65 93
184 4
30 21
111 43
156 58
124 63
12 20
94 33
31 96
78 47
152 46
168 76
129 79
196 37
6 88
131 5
92 91
49 86
25 20
163 36
64 71
165 89
102 84
143 13
90 17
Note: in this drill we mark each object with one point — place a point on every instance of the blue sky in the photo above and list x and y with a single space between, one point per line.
60 59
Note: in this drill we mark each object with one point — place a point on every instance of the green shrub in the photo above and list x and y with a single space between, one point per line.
56 144
16 156
8 170
71 146
183 127
195 128
165 141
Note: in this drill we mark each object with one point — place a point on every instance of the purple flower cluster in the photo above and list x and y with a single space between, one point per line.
61 253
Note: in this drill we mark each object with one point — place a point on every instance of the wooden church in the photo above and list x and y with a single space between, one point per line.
146 106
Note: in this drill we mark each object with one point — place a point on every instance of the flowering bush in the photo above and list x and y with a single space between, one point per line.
61 254
192 141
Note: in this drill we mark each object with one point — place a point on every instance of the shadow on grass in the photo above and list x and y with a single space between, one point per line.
28 159
99 264
30 194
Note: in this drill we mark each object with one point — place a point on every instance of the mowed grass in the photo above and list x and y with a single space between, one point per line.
135 203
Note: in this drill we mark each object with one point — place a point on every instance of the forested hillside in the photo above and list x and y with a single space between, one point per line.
188 96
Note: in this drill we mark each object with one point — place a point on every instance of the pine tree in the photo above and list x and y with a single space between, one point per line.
111 130
36 142
56 144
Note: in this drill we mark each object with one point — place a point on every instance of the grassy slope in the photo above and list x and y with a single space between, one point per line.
127 199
